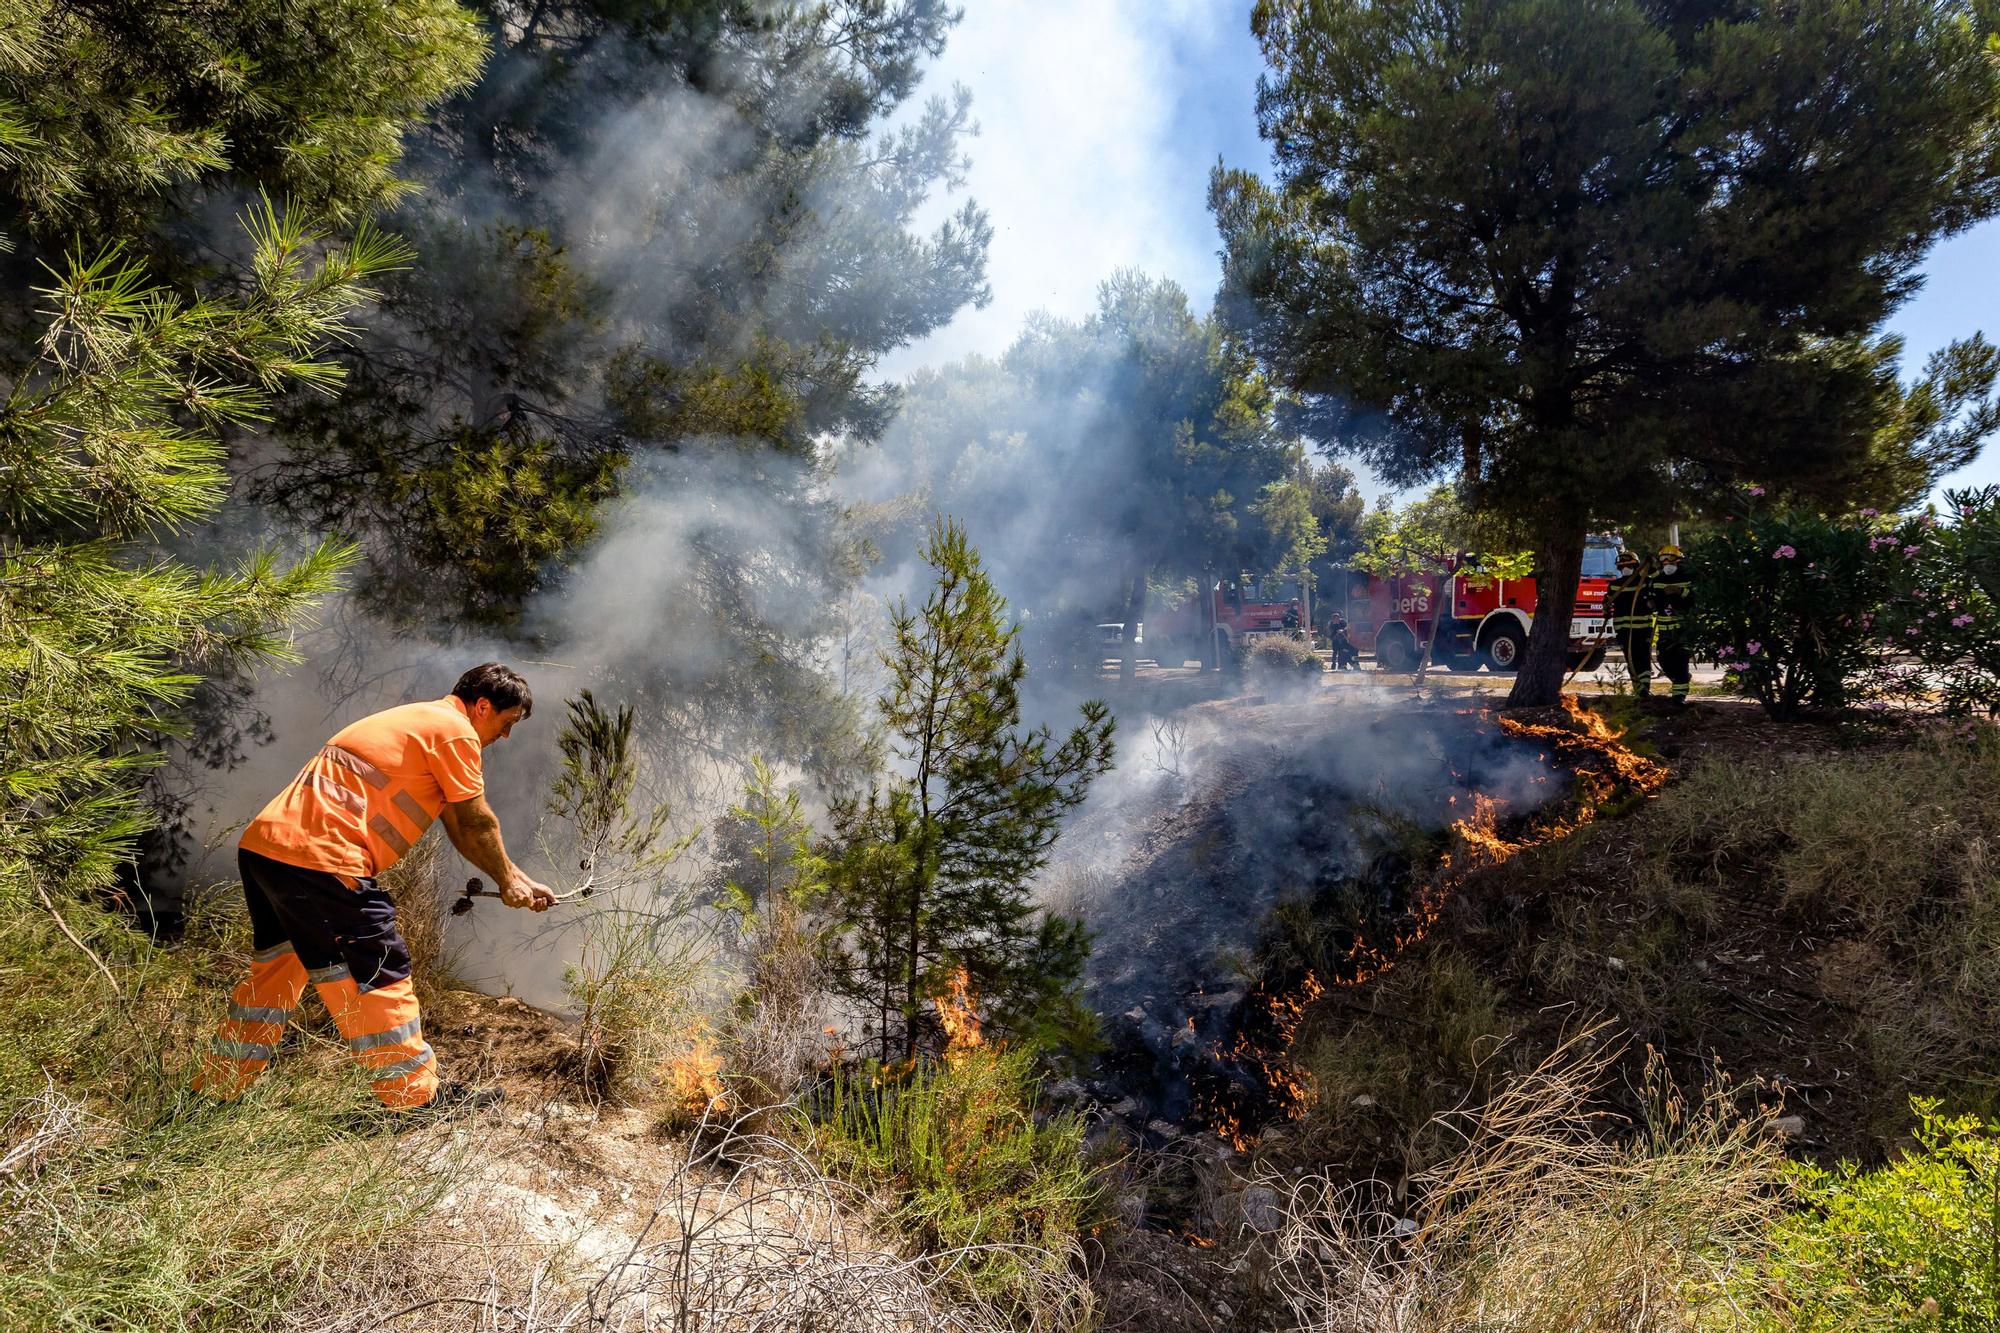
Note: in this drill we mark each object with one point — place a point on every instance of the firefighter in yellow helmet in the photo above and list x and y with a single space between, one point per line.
1631 620
1666 596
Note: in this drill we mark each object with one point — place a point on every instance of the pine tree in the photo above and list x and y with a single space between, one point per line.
1603 259
933 865
118 114
571 315
107 444
124 122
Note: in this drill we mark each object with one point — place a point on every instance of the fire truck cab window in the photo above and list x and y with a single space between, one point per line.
1600 562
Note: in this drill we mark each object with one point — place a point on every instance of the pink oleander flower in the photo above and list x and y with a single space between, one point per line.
1877 705
1737 666
1911 550
1754 647
1756 490
1911 630
1784 553
1871 513
1965 511
1724 651
1960 622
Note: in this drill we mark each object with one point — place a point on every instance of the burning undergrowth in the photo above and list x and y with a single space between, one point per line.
1301 812
1291 851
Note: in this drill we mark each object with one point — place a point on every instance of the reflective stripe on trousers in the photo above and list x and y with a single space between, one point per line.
258 1010
384 1031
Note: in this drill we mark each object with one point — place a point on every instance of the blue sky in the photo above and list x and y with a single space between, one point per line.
1099 123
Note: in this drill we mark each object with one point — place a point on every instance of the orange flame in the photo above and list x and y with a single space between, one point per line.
1289 1088
1476 831
1602 766
958 1011
693 1079
1601 760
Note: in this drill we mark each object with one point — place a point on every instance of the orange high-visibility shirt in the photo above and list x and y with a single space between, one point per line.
372 790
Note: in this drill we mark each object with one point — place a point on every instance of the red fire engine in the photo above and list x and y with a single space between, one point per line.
1175 637
1485 624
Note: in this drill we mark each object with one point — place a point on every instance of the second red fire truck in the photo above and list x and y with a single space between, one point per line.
1485 621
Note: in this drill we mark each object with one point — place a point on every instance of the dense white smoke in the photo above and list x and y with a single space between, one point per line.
634 624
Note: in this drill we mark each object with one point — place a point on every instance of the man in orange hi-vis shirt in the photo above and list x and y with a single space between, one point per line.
309 864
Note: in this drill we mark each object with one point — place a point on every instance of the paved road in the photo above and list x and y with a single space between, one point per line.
1186 684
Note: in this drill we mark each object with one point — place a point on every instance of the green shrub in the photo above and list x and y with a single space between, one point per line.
959 1149
1278 657
1948 618
1915 1244
1789 602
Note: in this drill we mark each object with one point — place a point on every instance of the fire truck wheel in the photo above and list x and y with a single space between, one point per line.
1395 650
1504 645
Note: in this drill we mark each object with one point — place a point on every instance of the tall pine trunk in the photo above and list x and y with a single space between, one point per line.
1558 565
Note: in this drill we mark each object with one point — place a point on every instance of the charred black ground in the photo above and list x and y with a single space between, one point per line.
1243 873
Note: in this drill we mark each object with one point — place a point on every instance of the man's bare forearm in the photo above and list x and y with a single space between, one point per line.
475 832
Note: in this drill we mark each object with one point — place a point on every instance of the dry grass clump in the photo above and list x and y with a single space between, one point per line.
1426 1041
744 1235
1275 659
1549 1218
1871 841
777 1036
1896 854
637 985
423 909
129 1201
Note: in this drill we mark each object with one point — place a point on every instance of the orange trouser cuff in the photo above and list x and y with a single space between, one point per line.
384 1030
259 1008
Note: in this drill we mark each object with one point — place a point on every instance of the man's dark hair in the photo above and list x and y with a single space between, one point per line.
502 686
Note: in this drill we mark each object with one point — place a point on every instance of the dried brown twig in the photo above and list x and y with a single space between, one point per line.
1548 1218
746 1235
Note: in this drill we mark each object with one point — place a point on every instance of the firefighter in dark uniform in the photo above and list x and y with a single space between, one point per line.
1345 658
1666 596
1630 616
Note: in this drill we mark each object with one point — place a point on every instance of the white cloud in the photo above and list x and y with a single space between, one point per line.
1099 122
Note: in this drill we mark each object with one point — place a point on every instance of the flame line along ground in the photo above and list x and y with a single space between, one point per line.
1581 747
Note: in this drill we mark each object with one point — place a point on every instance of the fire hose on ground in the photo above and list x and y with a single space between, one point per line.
1595 644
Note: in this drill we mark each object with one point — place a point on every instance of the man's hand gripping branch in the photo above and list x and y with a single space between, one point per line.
475 831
